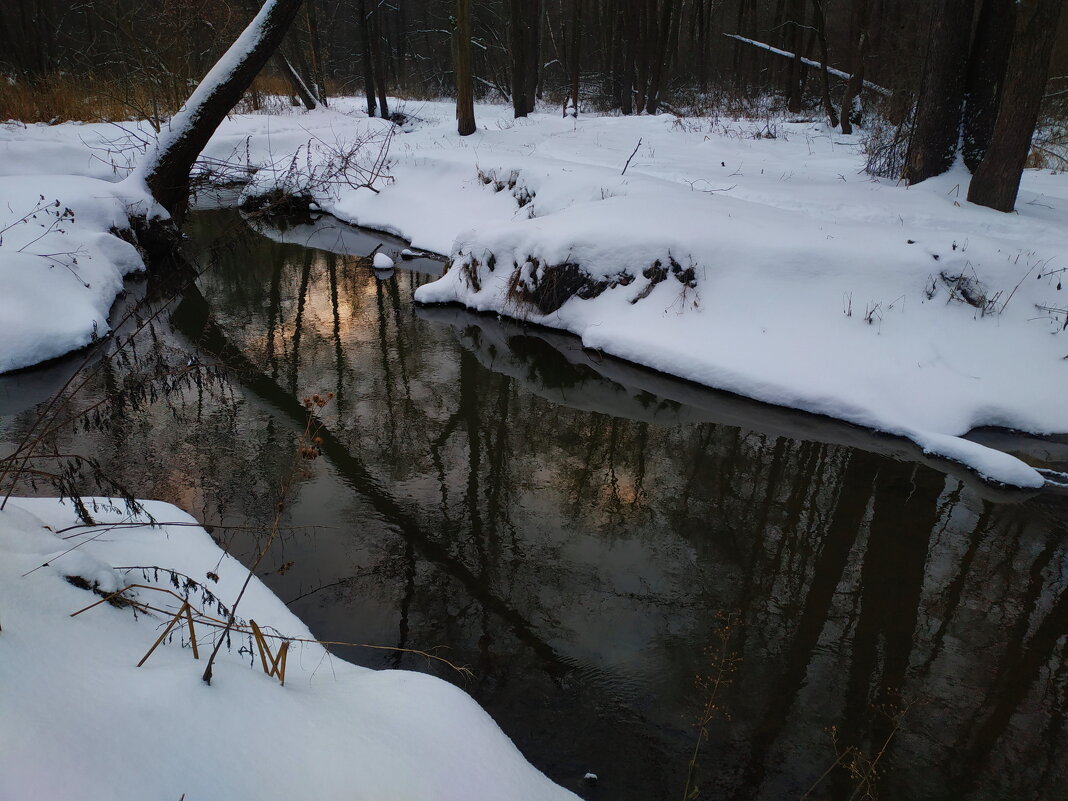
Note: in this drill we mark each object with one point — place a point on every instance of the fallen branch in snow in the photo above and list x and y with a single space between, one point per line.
882 90
631 156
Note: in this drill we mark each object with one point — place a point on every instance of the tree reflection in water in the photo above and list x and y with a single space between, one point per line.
573 529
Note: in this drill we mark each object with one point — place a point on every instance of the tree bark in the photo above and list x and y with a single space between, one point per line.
997 180
825 88
861 15
377 43
465 91
536 10
165 170
519 40
368 62
318 70
794 11
938 115
299 87
574 54
986 70
630 32
660 55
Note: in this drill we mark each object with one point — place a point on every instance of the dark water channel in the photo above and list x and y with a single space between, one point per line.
603 546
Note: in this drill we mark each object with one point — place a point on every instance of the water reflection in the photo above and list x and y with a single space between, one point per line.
574 530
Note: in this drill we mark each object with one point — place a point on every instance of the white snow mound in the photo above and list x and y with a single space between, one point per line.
79 720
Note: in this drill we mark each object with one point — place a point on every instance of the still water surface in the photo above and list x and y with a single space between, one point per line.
616 555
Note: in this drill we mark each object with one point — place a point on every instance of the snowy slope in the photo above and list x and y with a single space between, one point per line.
79 720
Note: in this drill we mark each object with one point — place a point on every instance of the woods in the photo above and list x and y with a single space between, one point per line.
943 67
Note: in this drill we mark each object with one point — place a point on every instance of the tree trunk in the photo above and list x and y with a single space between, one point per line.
368 63
465 91
934 140
519 40
574 54
986 69
536 9
377 44
299 87
856 78
165 170
825 88
794 12
997 180
318 70
656 79
629 57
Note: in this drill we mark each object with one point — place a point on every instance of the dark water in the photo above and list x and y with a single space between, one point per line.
616 555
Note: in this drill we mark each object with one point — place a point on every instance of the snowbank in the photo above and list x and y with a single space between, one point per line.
750 256
79 720
61 262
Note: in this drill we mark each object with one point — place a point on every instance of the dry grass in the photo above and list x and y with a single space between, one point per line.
64 97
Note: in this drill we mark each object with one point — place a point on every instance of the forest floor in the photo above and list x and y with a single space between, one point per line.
753 256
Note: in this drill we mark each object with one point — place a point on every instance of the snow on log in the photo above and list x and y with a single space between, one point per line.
165 170
810 62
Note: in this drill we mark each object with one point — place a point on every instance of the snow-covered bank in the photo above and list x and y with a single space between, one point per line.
61 263
749 256
79 720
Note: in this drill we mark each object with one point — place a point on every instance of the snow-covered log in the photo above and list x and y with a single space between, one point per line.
166 169
882 90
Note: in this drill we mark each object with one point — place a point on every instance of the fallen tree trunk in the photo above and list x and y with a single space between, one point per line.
165 170
301 88
882 90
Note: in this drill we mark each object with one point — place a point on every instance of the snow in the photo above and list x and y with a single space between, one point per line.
813 285
79 720
61 265
383 262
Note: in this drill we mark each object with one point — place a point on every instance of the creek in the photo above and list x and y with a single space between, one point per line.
622 559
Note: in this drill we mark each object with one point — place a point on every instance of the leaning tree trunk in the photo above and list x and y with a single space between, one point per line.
165 171
934 140
986 70
465 90
295 81
997 180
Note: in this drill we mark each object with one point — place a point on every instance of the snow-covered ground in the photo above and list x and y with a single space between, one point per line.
750 256
61 264
78 719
